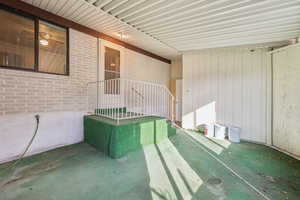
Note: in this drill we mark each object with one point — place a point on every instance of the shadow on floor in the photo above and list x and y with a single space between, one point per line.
273 173
181 167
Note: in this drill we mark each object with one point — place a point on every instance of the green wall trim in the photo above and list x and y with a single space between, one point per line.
116 140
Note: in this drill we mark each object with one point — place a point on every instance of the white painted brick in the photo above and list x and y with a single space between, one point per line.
30 92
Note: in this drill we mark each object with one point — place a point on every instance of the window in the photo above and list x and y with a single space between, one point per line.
112 70
52 48
16 41
112 63
28 43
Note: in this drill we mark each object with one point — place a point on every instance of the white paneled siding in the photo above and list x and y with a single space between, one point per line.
286 99
227 86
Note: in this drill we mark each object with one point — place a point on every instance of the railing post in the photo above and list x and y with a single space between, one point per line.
173 109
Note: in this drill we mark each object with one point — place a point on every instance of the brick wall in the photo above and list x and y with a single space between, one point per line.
30 92
60 100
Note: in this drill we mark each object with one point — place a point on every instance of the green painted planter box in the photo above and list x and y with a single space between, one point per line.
116 140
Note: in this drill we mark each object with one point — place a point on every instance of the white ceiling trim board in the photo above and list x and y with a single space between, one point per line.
151 9
234 42
258 28
223 16
141 7
254 33
287 19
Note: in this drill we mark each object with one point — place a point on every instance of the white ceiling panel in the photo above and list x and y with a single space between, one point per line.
166 27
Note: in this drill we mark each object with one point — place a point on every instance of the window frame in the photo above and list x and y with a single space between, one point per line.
108 85
36 20
111 71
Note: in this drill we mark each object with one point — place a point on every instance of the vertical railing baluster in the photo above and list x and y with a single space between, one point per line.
139 99
105 98
125 97
119 98
144 95
115 98
129 97
150 99
100 97
110 92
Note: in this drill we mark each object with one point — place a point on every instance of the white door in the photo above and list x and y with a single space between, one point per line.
286 100
178 100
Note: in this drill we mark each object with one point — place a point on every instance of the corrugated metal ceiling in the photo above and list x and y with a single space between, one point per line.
165 27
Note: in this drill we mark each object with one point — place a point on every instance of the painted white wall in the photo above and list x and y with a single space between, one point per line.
228 86
176 68
136 66
144 68
61 102
286 99
178 100
56 129
176 85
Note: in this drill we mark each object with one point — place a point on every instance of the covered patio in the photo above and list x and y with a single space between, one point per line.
186 166
149 99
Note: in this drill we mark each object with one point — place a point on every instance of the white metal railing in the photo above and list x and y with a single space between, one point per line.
125 99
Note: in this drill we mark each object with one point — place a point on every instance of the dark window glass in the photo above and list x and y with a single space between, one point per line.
31 44
112 70
52 48
112 63
16 41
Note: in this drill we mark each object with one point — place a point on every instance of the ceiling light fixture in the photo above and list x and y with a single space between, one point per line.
44 42
121 35
44 38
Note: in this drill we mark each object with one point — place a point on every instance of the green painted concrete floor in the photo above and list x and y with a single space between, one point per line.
186 166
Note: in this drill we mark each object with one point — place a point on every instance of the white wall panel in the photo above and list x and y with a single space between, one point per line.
176 68
286 100
227 86
56 129
144 68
